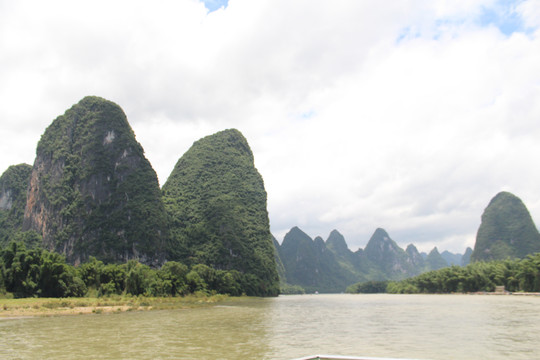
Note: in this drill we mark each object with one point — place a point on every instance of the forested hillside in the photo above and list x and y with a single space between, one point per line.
507 230
216 205
13 186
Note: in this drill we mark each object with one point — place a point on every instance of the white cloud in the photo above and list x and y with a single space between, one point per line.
408 116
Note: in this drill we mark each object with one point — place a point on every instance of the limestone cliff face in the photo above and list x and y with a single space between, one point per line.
92 191
13 185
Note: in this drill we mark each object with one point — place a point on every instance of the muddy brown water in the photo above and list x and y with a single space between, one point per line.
288 327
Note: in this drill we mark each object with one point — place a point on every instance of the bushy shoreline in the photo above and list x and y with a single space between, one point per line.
517 276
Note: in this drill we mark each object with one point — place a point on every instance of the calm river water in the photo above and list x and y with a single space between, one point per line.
287 327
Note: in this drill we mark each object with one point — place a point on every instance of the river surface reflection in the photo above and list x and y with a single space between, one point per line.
287 327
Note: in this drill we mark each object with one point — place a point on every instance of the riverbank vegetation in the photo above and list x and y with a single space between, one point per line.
514 275
37 272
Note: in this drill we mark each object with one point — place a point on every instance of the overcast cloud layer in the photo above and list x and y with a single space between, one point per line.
409 116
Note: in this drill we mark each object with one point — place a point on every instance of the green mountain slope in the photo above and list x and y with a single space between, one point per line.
506 230
92 191
387 257
311 265
415 258
13 185
466 258
435 261
216 205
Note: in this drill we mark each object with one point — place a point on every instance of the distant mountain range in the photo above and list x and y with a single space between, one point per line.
330 266
314 265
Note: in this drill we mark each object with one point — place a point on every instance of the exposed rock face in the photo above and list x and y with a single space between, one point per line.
506 230
216 203
13 185
92 191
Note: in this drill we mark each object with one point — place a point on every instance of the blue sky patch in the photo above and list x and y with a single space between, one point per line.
408 33
213 5
504 16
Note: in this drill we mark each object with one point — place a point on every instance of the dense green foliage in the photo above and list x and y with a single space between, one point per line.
288 289
515 275
506 231
216 205
40 273
94 192
368 287
37 272
13 186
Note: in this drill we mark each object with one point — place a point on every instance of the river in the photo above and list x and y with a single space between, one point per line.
288 327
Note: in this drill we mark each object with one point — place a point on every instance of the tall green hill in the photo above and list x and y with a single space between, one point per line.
297 254
216 204
415 258
13 185
92 191
311 265
435 261
387 257
337 244
506 231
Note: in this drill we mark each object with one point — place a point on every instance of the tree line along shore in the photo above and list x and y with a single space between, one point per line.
517 276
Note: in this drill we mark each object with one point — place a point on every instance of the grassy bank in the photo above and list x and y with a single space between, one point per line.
90 305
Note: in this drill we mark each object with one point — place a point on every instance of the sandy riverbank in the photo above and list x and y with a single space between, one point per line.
29 307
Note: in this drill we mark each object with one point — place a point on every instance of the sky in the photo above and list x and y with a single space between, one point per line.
409 116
